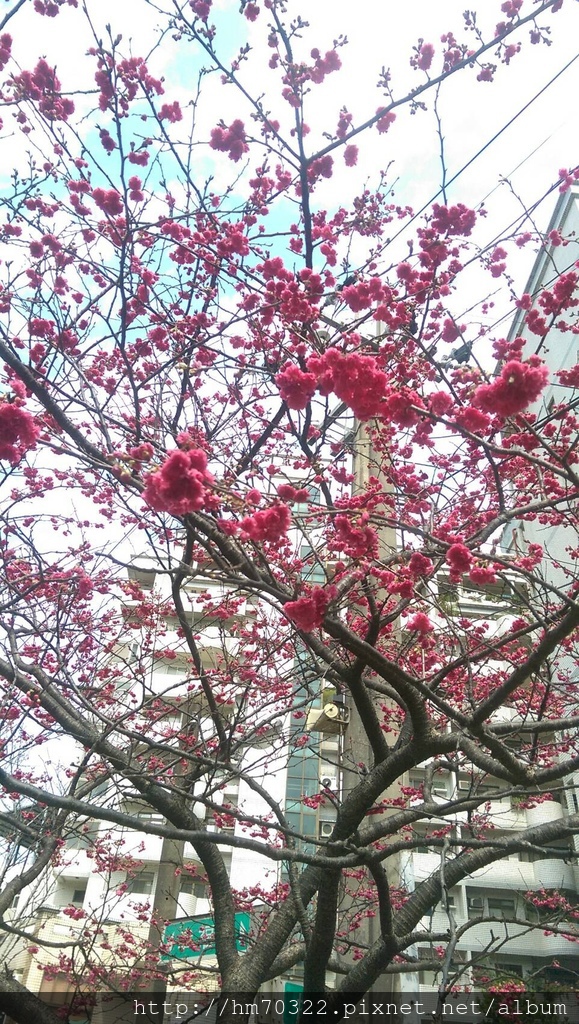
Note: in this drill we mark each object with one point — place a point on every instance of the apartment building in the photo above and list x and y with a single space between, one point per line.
523 950
558 256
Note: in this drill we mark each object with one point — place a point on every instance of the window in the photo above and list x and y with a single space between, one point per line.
510 970
474 788
141 884
78 896
84 836
487 971
150 816
430 840
426 977
228 812
439 785
529 856
193 887
313 570
439 788
422 836
481 905
475 907
501 906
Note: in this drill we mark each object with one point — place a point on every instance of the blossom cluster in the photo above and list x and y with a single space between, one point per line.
270 525
423 57
5 47
453 220
202 8
43 87
121 83
307 613
459 559
108 200
230 140
357 541
181 484
353 378
296 387
50 8
324 65
518 386
18 432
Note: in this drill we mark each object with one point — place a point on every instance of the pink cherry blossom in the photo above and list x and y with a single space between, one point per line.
517 387
296 387
18 432
180 485
308 612
270 524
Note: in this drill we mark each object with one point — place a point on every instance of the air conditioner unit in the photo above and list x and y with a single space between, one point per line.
329 782
475 903
326 829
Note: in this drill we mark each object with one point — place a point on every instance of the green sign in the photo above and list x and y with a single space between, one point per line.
195 936
292 1002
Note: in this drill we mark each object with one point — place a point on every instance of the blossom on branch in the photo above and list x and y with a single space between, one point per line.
517 387
287 492
351 156
384 122
5 47
180 485
171 112
425 56
324 65
419 623
202 8
270 524
355 541
307 613
230 140
108 200
355 379
43 87
295 386
453 220
459 559
18 432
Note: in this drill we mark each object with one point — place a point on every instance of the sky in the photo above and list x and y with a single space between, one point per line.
380 33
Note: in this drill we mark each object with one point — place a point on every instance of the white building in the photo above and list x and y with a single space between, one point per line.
525 949
560 351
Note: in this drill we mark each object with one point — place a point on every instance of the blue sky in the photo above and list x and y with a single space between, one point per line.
380 33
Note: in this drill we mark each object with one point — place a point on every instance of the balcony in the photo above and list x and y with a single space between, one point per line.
553 873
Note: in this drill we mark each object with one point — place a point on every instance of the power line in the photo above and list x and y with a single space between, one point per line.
508 125
483 149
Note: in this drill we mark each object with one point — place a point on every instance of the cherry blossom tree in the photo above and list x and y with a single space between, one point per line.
247 431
